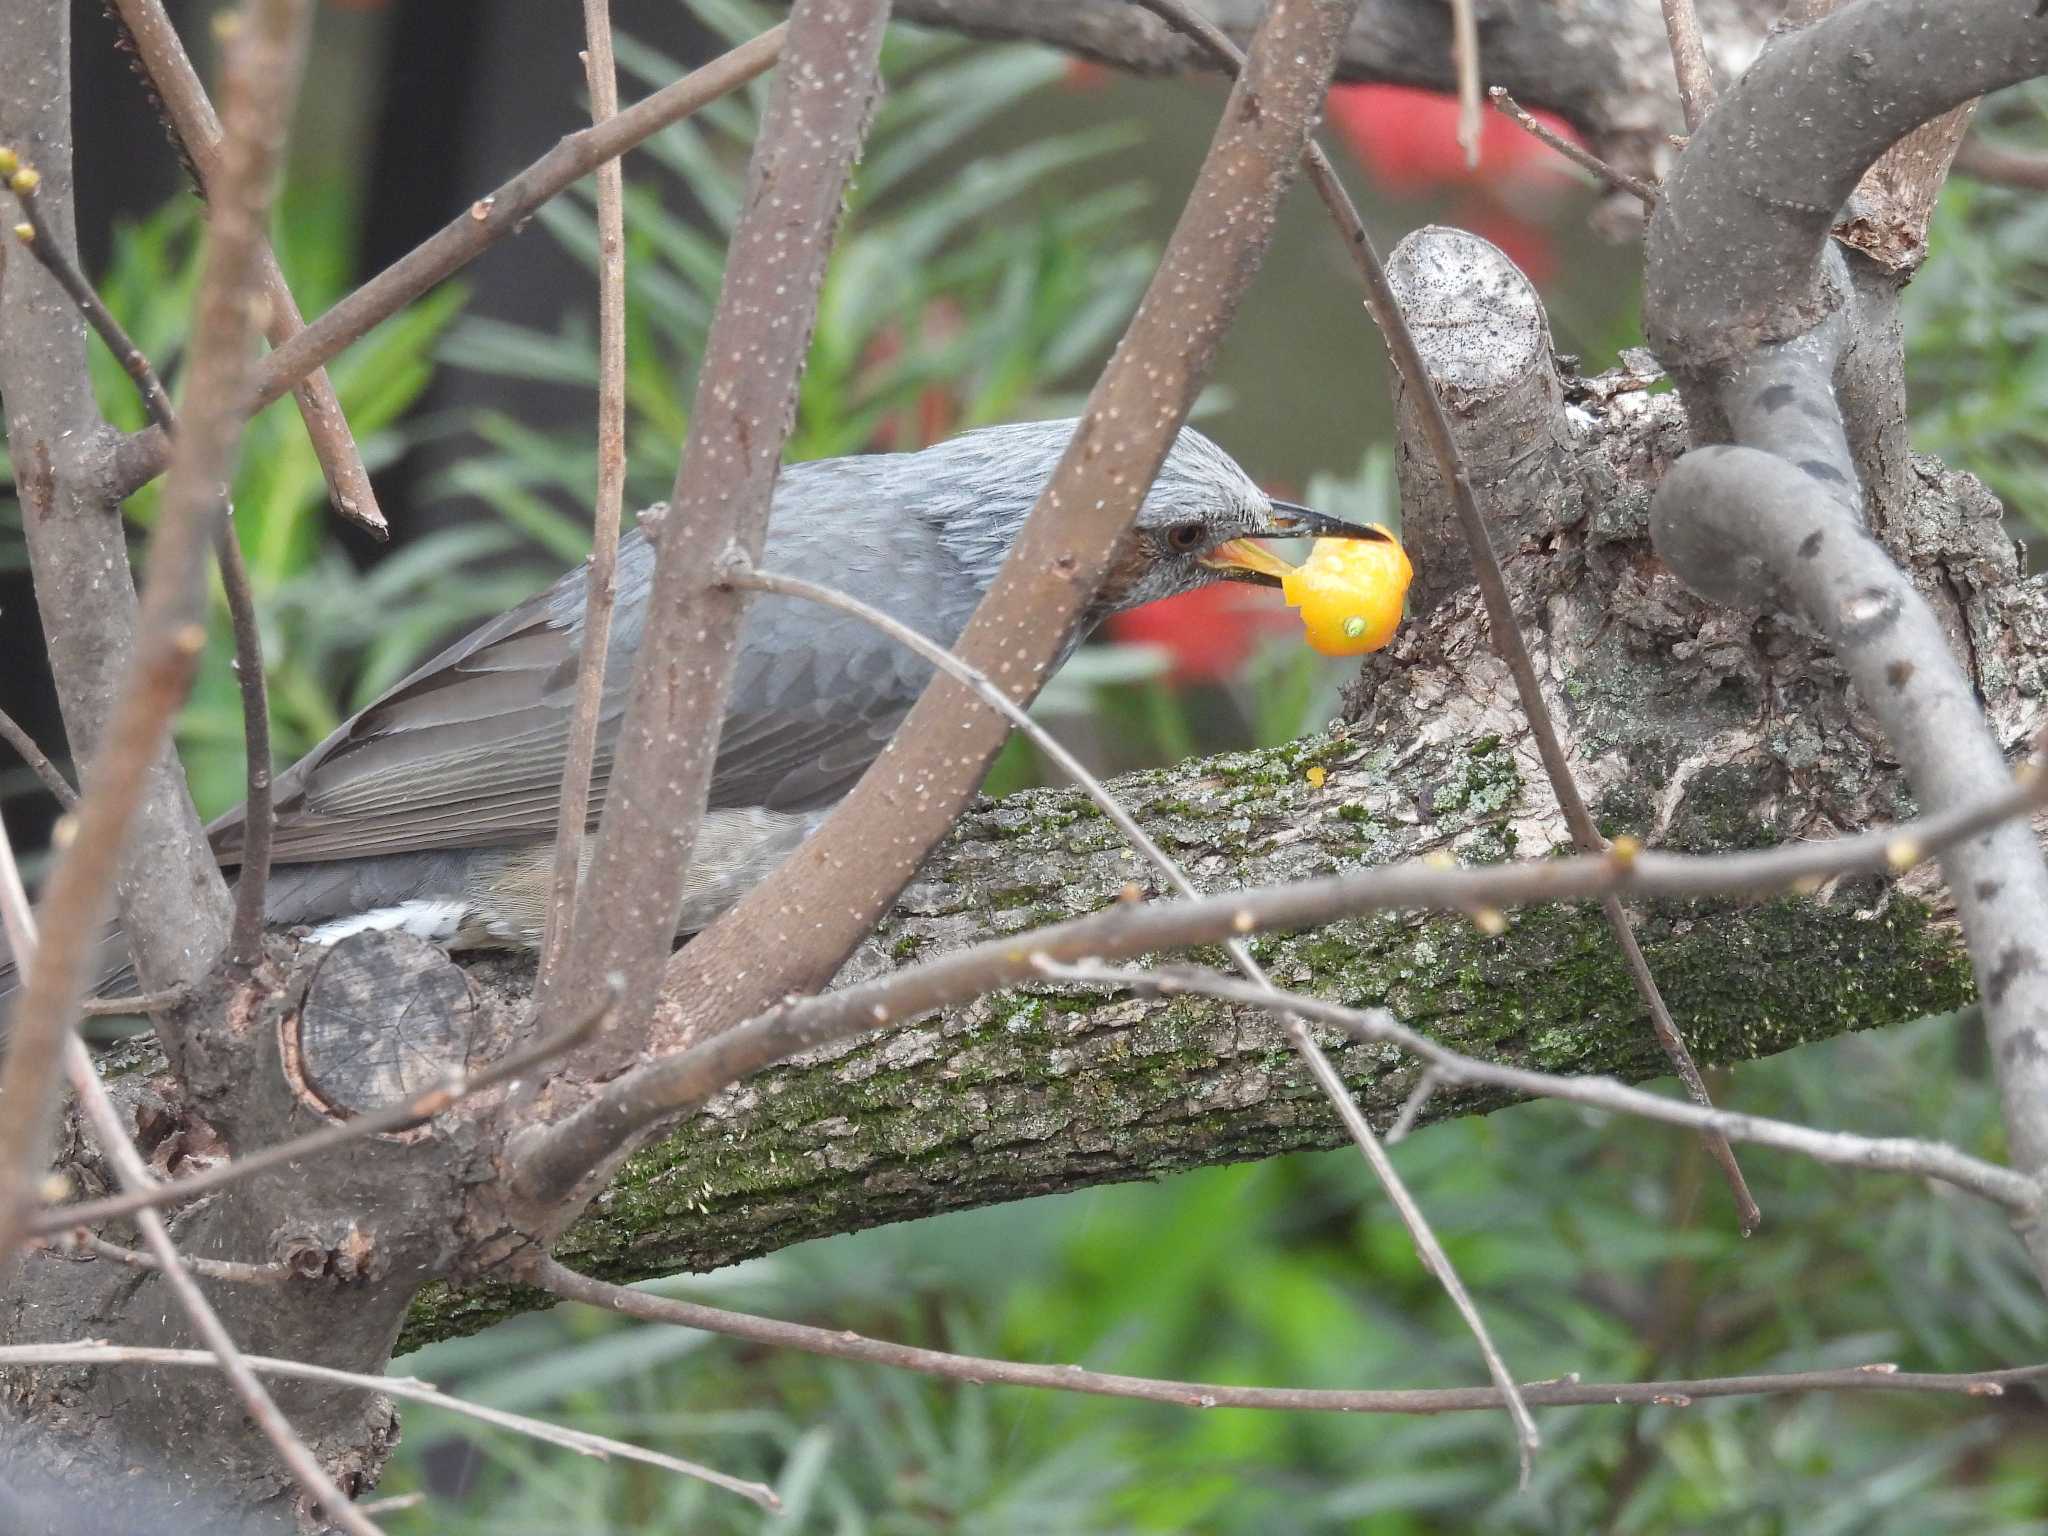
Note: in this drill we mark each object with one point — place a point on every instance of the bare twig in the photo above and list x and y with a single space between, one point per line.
1465 62
38 761
745 404
135 1176
875 839
486 221
35 235
1890 1154
262 1409
1434 1259
682 1081
1578 154
1982 160
1411 1109
1500 612
601 588
226 1270
198 130
259 814
171 629
421 1107
245 939
844 1344
1689 62
409 1388
138 1002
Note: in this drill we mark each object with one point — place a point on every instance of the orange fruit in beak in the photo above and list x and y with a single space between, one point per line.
1350 593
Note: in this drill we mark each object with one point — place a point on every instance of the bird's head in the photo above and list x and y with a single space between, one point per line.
1202 521
1205 521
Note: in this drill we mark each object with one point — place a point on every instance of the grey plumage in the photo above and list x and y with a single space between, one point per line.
444 790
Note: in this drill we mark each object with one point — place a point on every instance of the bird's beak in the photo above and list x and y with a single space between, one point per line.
1245 559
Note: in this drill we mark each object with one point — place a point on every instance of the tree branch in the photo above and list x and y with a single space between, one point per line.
810 136
466 236
1601 64
843 1344
960 974
1756 340
601 588
198 135
127 776
902 808
1426 410
245 935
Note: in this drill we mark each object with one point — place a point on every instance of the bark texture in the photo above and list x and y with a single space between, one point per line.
1691 727
1604 65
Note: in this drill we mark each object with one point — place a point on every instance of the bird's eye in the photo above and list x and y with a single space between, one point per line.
1185 537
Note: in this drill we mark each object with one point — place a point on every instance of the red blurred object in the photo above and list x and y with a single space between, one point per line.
1086 75
936 412
1408 139
1209 632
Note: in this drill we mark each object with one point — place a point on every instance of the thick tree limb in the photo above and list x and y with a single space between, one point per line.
1767 165
902 807
1756 332
1603 65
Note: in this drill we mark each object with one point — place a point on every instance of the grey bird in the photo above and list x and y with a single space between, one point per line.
434 809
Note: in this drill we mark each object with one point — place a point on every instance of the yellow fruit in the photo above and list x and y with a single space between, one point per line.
1350 593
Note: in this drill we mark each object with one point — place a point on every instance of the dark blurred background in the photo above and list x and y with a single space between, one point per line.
1002 226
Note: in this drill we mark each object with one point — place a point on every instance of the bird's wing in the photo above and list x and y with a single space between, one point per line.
468 751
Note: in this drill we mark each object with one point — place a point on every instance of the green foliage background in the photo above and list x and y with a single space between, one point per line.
971 289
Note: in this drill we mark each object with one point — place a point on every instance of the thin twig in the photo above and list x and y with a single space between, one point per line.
1500 611
1689 62
743 410
227 1270
198 133
684 1080
259 814
417 1110
245 937
844 1344
135 1002
411 1389
1434 1259
394 1504
601 586
38 761
1892 1154
778 938
1465 62
1412 1107
486 221
34 235
134 1175
1578 154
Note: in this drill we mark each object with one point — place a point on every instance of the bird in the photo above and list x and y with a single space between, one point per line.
433 810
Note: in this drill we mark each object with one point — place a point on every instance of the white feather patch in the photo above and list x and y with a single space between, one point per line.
433 920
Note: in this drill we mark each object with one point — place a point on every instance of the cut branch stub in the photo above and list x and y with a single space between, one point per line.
1485 339
385 1017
